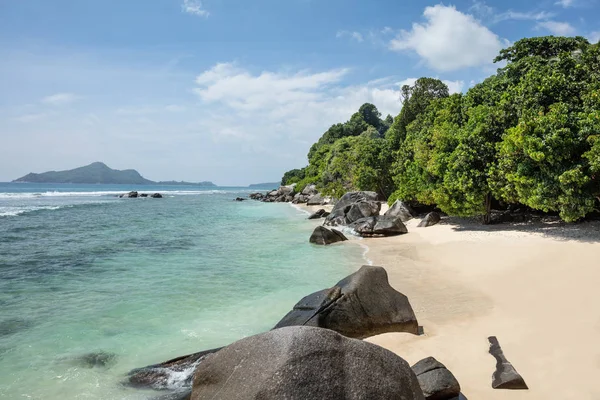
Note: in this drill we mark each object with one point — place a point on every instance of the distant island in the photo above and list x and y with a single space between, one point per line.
100 173
264 185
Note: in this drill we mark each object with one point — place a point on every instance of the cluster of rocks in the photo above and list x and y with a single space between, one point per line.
288 194
360 211
315 352
134 195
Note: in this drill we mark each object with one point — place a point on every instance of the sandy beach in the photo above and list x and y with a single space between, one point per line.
531 285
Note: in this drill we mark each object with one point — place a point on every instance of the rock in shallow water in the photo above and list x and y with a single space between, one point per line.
360 305
324 236
100 359
174 374
304 363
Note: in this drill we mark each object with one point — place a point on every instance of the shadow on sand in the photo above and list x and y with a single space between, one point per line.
551 227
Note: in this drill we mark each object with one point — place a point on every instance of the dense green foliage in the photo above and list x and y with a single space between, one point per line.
529 135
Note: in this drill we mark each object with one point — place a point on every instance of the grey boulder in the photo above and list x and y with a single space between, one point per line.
436 381
324 236
157 196
430 219
505 376
379 226
402 210
309 190
318 214
304 363
315 200
352 207
361 305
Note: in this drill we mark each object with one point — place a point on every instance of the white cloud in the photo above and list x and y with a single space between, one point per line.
194 7
353 35
523 16
594 37
565 3
60 99
449 40
557 28
241 90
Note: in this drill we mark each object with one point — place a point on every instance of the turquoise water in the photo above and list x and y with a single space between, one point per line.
143 279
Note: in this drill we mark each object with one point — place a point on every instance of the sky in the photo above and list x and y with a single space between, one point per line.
233 91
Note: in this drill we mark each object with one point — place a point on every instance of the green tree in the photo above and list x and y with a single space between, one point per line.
415 100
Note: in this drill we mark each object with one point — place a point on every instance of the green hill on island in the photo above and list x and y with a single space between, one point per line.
98 172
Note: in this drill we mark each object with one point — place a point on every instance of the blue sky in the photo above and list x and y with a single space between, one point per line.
233 91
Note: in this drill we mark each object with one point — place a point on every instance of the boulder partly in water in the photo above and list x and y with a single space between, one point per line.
304 363
324 236
360 305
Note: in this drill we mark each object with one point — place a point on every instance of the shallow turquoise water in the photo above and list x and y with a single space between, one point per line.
146 279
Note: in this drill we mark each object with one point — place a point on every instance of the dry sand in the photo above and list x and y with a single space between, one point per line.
534 286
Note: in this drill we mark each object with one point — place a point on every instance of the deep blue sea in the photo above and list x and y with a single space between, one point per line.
142 280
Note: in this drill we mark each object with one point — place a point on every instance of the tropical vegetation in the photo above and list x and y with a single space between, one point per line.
528 135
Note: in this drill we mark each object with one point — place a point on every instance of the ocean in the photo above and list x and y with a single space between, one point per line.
92 285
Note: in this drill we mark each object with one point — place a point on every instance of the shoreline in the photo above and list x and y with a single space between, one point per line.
533 285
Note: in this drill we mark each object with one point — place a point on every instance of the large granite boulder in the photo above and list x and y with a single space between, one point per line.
402 210
321 213
299 198
315 200
379 226
430 219
309 190
505 376
288 190
256 196
324 236
360 305
304 363
352 207
436 381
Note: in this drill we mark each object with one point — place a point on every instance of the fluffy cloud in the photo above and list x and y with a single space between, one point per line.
449 40
59 99
353 35
594 37
523 16
557 28
565 3
194 7
269 112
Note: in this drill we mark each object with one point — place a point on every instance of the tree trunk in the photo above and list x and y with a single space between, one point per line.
487 218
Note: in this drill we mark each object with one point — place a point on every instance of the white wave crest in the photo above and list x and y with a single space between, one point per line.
15 211
7 195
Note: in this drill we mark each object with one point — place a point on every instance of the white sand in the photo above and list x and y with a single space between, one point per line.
534 286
